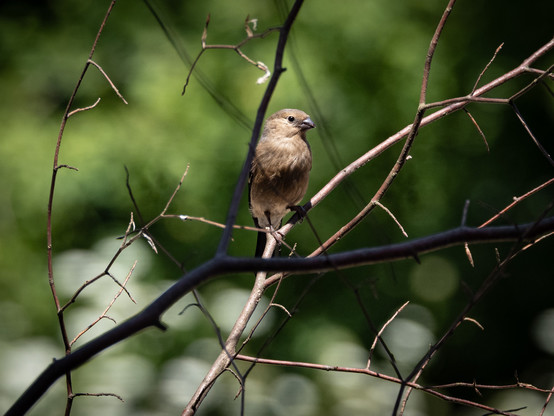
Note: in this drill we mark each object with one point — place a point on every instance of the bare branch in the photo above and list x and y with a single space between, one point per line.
90 61
78 110
532 84
378 375
478 128
393 217
249 36
546 402
486 67
104 314
99 395
535 140
517 200
49 231
380 333
475 322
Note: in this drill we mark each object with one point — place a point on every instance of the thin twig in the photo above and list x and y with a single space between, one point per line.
478 128
78 110
535 140
475 321
104 314
517 200
117 396
130 191
175 191
380 333
463 224
546 402
486 67
533 84
109 80
214 223
384 208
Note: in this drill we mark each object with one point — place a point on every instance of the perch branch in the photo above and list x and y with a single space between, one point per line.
150 316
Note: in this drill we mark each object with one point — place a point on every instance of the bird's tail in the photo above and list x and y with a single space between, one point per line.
260 244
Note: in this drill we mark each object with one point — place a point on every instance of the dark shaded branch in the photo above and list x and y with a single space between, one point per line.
150 316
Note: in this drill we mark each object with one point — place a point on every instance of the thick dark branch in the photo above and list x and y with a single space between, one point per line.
405 250
150 316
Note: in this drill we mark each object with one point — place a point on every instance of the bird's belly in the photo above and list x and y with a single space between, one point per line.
276 196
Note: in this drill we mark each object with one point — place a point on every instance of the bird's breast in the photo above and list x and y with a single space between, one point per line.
288 156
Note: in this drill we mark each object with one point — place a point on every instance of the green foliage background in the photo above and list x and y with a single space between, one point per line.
362 61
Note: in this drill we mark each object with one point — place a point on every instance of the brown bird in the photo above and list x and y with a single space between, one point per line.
280 170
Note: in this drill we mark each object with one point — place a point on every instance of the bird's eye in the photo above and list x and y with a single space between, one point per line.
290 118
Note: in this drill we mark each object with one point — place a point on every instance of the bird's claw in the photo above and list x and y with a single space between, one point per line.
277 235
298 209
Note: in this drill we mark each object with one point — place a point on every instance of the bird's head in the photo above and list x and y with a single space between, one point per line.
288 123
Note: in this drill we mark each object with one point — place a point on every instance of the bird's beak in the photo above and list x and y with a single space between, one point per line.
307 123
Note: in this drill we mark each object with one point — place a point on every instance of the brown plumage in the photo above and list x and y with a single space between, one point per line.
280 170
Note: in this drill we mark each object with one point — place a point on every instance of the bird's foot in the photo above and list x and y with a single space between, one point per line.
299 209
278 236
